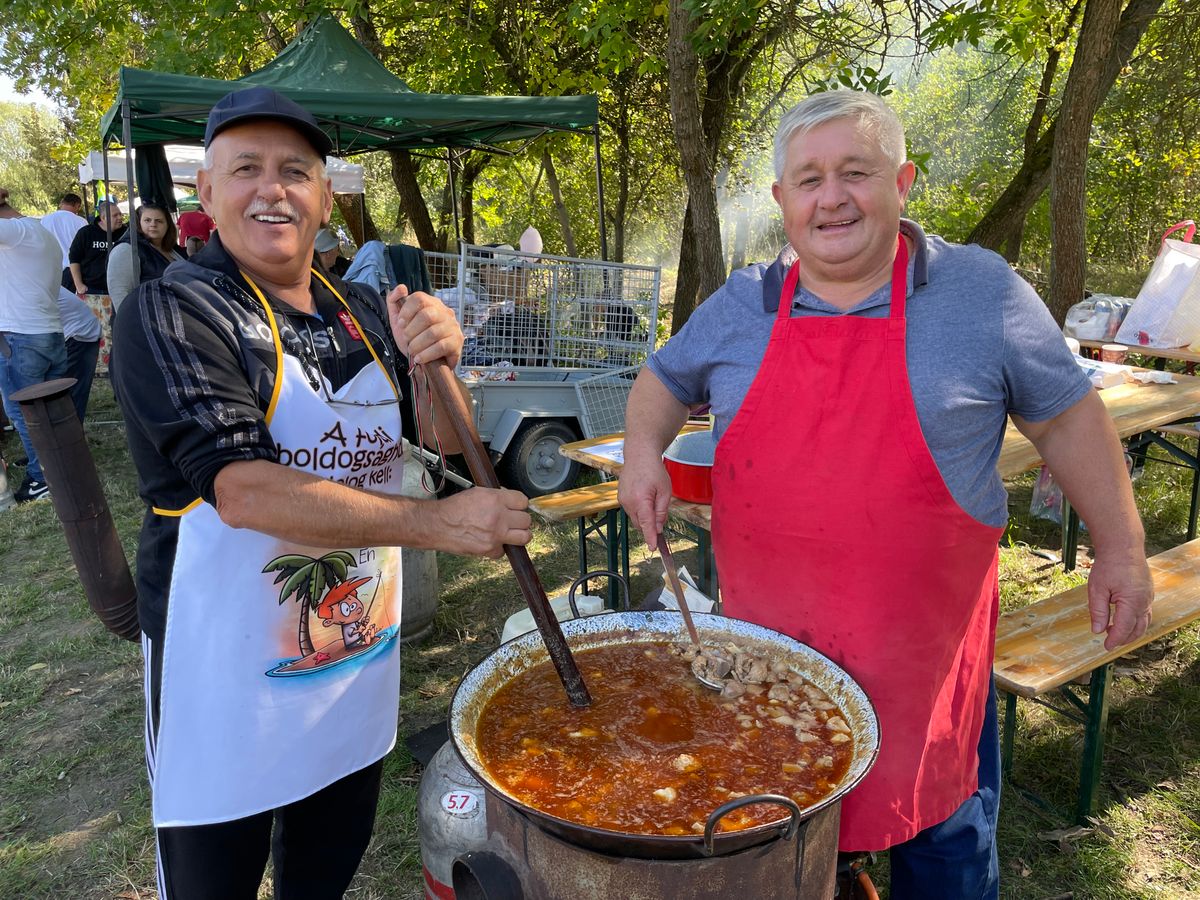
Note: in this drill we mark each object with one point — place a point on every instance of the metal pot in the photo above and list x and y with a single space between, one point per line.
509 660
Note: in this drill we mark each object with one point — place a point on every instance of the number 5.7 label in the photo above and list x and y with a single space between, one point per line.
464 804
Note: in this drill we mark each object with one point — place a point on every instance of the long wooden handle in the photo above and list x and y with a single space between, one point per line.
445 387
677 587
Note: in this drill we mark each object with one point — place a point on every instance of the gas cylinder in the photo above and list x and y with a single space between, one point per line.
450 819
419 569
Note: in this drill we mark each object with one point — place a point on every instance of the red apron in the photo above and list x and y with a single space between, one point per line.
831 523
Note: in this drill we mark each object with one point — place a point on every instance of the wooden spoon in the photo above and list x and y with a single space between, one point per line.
445 386
677 587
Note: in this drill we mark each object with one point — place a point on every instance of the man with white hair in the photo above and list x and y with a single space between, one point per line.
265 404
861 384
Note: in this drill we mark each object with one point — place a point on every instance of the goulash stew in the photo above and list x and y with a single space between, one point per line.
657 752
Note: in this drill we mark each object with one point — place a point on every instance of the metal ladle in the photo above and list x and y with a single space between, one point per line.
677 588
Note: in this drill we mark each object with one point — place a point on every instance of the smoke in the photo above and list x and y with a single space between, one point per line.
751 227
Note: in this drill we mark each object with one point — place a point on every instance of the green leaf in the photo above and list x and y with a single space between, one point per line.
298 578
281 562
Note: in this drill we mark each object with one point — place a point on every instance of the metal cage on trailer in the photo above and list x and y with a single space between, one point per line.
553 345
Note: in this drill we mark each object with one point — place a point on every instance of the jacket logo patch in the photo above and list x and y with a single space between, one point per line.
348 324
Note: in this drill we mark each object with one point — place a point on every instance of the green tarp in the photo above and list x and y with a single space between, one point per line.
358 102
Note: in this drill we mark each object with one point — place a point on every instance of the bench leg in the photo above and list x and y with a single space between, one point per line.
708 566
1070 538
1192 509
1093 744
612 545
1009 735
583 563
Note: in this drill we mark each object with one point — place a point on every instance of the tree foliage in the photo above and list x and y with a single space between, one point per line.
981 111
31 164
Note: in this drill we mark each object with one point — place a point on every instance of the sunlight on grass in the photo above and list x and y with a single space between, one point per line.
86 834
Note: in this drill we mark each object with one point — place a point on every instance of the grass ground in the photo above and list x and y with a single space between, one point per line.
74 817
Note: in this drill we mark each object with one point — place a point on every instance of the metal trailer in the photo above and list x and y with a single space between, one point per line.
553 345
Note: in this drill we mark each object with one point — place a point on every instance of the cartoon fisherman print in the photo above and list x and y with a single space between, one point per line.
341 606
322 586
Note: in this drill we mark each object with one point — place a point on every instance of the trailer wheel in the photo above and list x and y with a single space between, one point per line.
532 463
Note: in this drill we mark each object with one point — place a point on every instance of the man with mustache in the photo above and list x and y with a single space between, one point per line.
861 385
236 359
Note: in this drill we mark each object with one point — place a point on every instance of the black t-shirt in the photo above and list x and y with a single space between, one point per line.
89 248
193 367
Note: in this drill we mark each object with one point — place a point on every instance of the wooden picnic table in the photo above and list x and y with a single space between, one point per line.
1135 408
1158 353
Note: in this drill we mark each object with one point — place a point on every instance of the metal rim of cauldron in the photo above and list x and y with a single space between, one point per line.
527 650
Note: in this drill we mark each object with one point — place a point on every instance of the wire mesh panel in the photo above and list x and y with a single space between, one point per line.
602 399
530 310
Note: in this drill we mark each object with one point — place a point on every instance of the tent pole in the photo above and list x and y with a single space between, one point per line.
454 200
104 166
131 225
600 194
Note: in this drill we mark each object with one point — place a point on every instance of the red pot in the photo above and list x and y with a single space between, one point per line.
689 461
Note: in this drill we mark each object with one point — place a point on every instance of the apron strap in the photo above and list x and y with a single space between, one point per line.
362 331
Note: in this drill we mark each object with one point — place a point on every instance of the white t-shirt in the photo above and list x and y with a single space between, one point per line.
62 223
31 261
79 322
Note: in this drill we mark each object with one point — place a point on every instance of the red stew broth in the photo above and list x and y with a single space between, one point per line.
656 752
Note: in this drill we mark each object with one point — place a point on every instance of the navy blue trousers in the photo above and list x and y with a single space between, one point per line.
956 859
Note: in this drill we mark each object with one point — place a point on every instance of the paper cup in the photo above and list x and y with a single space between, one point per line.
1113 353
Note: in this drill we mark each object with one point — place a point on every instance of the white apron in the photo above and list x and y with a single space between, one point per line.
280 664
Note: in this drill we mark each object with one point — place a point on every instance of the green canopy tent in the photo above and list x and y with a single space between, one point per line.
358 103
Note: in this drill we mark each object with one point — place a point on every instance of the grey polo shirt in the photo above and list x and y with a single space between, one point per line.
981 345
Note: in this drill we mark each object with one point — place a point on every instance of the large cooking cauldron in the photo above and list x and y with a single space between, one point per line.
521 653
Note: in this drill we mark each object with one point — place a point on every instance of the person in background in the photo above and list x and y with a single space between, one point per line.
64 223
329 251
82 330
87 258
32 349
196 224
903 355
157 244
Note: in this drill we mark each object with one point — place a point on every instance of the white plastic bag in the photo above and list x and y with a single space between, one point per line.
1166 312
1082 322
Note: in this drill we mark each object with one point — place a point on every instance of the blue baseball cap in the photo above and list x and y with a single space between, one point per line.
263 103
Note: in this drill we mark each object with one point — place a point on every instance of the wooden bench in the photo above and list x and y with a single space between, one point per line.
1044 647
595 508
1140 444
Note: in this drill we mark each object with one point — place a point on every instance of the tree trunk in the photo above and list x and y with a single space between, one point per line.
741 239
404 177
696 159
687 279
304 636
354 212
472 166
564 219
1082 96
1032 179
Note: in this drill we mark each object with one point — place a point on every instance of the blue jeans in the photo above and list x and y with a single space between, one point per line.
33 358
957 859
81 365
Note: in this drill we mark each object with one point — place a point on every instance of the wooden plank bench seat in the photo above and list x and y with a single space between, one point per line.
567 506
1044 647
595 508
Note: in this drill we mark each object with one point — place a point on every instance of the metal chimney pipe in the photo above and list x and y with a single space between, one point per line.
57 435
